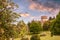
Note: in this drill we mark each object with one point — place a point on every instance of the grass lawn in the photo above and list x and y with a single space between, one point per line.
47 37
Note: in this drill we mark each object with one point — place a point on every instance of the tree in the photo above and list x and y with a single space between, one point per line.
55 28
22 28
46 26
7 17
35 27
51 18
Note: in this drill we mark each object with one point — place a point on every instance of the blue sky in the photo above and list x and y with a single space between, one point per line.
34 9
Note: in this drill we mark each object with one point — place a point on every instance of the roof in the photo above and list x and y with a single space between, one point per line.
43 17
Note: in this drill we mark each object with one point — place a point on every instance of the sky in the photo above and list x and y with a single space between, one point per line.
34 9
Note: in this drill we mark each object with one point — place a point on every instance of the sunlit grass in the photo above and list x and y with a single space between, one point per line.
47 37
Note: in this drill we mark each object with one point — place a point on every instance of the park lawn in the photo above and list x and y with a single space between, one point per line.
17 39
47 37
50 38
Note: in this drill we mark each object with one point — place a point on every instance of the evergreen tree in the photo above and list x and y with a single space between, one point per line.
55 29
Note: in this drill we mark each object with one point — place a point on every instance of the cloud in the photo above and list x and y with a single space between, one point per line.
34 6
37 18
34 17
25 14
45 5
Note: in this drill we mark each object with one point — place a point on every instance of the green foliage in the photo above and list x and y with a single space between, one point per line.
55 28
7 18
50 18
35 27
46 26
22 28
28 24
35 37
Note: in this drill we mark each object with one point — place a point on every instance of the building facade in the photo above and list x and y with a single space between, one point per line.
44 19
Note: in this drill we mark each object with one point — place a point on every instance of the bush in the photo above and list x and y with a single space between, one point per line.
35 37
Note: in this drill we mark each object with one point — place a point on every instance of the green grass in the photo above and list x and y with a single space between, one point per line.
47 37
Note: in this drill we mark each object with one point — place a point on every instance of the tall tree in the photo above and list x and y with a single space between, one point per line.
22 28
55 28
7 17
35 27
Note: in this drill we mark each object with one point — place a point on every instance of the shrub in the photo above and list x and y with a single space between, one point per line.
35 37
